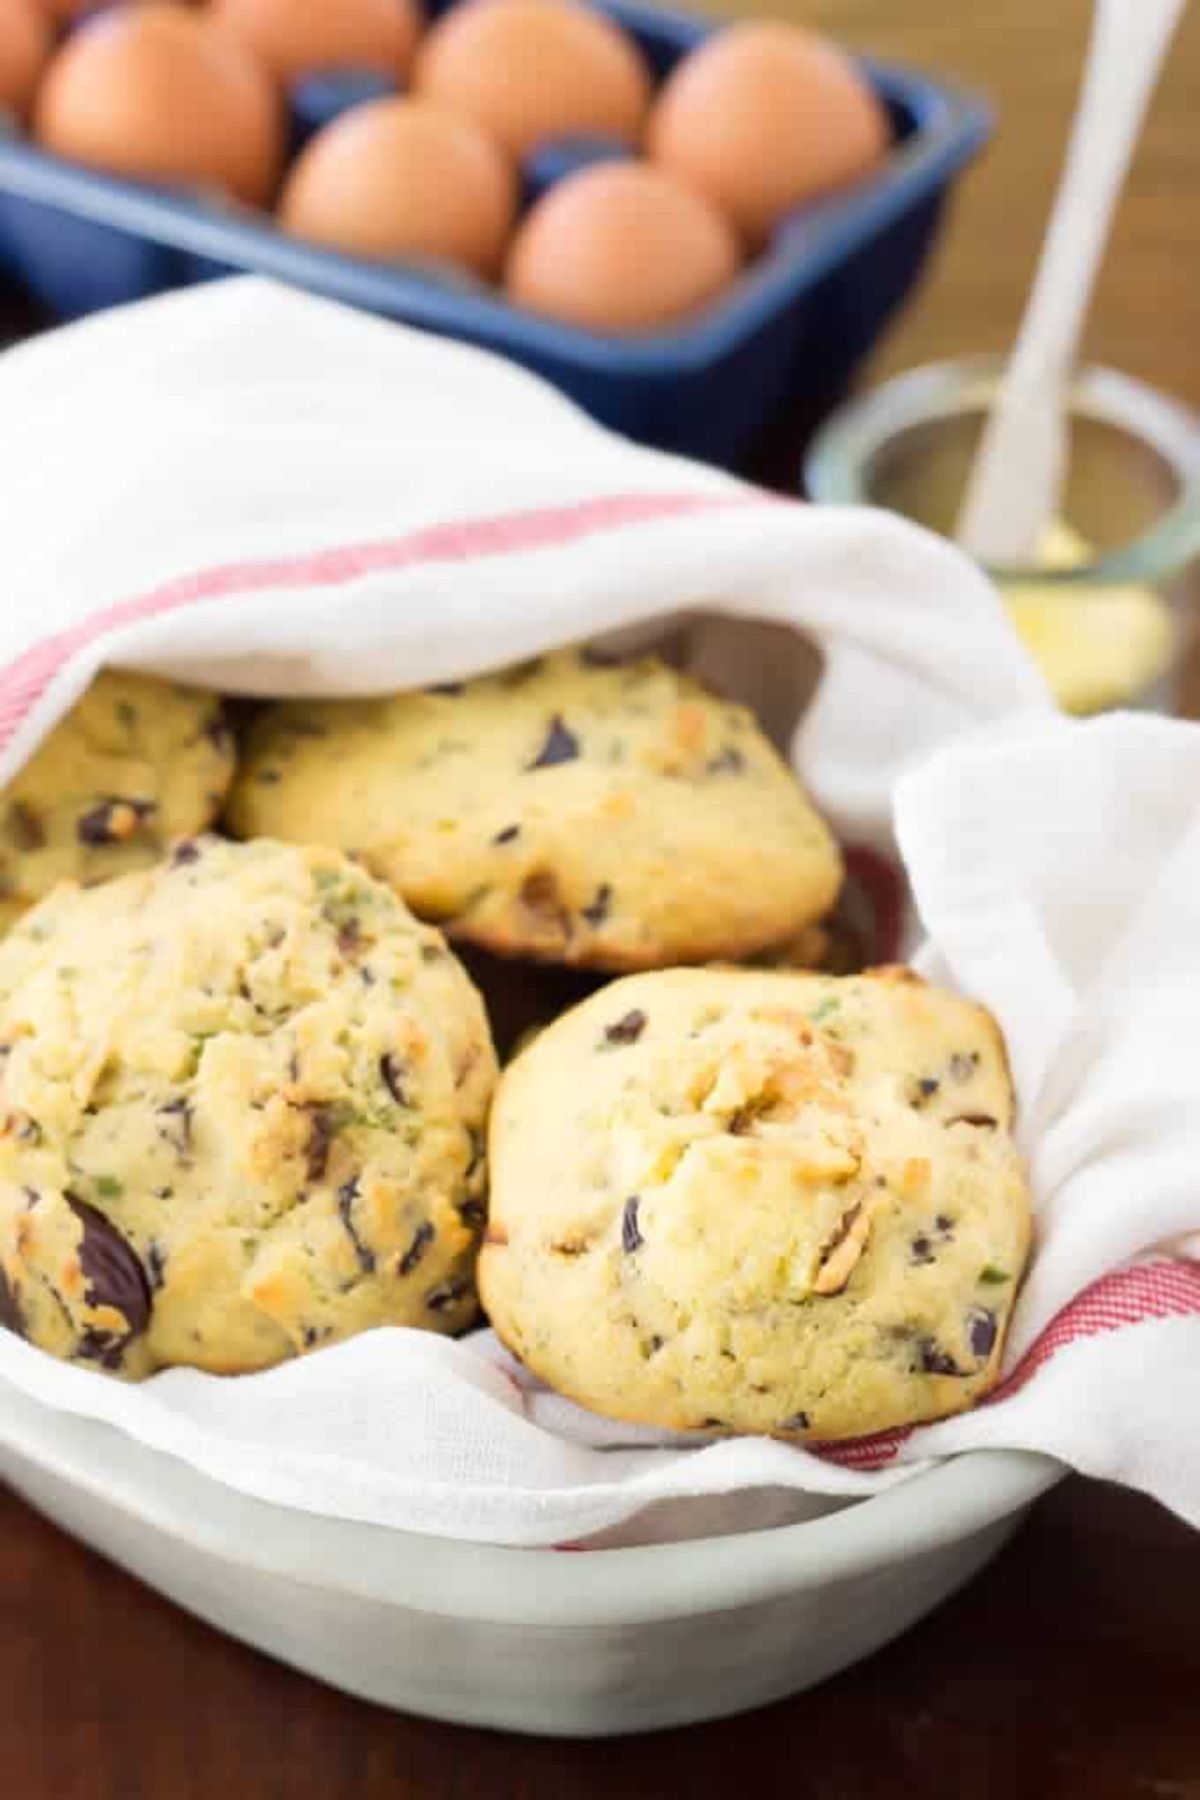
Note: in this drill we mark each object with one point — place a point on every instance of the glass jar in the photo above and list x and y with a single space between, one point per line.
1113 620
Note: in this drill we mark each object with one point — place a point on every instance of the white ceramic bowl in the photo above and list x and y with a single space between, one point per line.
529 1640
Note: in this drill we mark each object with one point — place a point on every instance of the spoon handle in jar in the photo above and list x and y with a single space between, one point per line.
1016 481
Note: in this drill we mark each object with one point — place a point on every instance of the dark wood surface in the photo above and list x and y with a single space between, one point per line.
1070 1670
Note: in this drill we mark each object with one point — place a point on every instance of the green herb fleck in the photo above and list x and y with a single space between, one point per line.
324 879
372 1118
67 972
109 1188
196 1051
825 1010
990 1276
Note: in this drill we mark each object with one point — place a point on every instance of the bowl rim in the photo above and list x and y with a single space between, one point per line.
449 1578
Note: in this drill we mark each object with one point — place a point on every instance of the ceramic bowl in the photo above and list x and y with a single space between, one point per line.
591 1644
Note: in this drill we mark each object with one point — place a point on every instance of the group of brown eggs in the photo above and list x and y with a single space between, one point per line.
759 120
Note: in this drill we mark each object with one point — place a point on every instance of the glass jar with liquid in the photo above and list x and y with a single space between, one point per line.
1108 607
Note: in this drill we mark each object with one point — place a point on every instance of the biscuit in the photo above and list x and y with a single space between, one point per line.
242 1108
741 1201
137 763
570 811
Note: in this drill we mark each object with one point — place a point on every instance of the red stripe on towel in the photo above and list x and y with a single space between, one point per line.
1165 1289
24 680
1168 1288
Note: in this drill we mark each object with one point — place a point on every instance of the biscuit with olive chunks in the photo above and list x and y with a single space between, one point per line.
733 1201
242 1108
136 763
608 816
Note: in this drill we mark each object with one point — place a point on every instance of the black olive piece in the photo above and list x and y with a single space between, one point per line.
936 1361
422 1238
981 1331
391 1073
598 909
10 1313
440 1299
626 1030
321 1134
347 1195
560 746
113 1275
106 824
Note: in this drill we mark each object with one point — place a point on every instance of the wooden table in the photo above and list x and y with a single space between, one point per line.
1070 1670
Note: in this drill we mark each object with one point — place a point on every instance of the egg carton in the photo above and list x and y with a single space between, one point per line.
785 338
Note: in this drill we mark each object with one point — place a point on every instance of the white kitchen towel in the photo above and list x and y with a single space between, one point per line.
252 488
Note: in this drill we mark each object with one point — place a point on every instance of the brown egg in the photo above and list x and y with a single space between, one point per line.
401 178
163 94
24 52
528 70
63 11
620 247
763 117
295 37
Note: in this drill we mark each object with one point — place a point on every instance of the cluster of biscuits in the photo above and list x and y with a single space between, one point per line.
250 1102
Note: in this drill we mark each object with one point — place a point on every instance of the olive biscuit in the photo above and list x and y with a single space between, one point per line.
614 816
726 1200
137 763
242 1100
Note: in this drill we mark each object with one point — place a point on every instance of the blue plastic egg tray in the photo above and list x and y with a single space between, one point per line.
788 334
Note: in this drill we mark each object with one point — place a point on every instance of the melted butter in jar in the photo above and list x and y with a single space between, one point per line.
1131 494
1098 646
